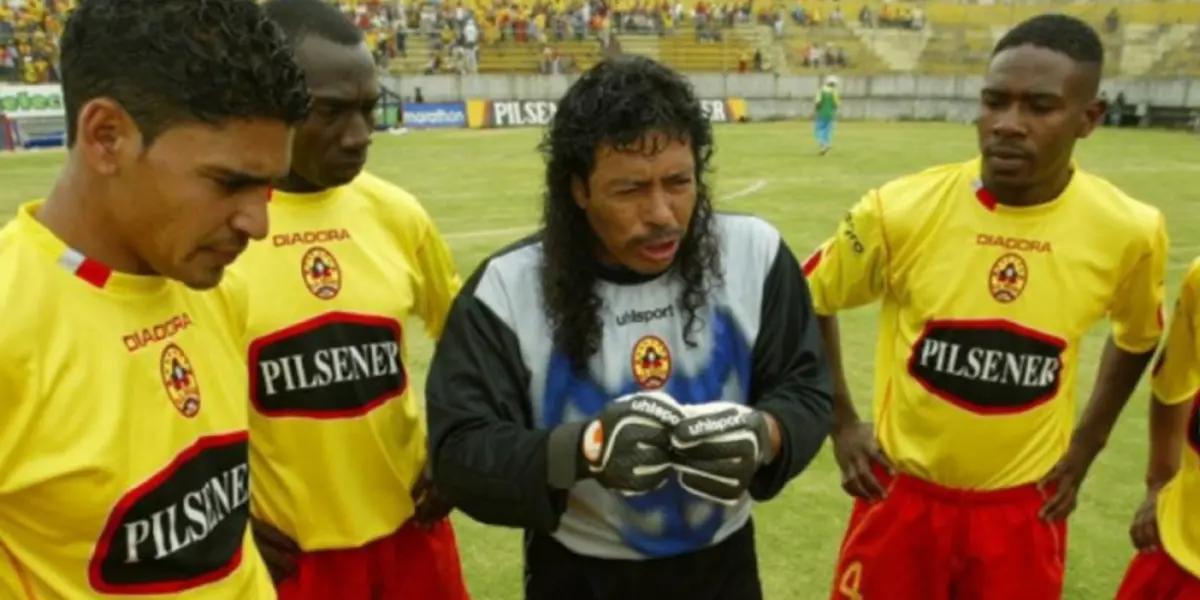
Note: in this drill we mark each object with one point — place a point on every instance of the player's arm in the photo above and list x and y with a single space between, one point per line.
439 279
1176 383
486 455
1136 315
847 271
790 380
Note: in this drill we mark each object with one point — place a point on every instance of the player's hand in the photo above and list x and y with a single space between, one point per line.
430 506
856 451
1065 479
628 447
718 448
278 551
1144 530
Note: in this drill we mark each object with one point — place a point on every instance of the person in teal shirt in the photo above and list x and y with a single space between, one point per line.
827 102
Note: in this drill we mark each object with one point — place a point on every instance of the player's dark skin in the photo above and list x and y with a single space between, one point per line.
1034 106
1168 433
329 150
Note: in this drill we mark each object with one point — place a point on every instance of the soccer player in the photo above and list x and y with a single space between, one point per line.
340 504
989 273
623 383
1166 529
826 105
123 418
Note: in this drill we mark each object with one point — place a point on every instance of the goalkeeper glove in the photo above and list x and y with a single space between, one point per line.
718 447
628 447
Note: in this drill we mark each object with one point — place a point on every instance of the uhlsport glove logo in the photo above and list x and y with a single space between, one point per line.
628 447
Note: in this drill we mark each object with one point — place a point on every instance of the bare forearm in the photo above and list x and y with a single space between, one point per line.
1167 431
1118 376
844 412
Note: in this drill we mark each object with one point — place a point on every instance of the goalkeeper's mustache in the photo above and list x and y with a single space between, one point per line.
658 236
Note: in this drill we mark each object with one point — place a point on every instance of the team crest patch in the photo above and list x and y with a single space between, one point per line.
651 363
180 380
321 272
1008 278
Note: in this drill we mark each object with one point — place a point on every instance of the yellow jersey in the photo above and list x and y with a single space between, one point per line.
338 437
1177 380
983 308
123 444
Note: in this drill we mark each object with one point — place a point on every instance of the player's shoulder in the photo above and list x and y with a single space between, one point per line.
23 296
395 208
514 262
922 190
746 238
387 196
740 226
1191 279
1112 206
510 279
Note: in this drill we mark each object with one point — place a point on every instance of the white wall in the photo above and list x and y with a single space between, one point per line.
879 97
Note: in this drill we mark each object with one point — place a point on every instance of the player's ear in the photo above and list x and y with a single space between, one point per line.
1093 113
106 135
579 192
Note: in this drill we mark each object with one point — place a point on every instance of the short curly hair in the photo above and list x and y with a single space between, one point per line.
174 61
618 102
1064 34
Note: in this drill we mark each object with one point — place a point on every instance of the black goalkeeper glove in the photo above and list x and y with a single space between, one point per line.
628 447
718 447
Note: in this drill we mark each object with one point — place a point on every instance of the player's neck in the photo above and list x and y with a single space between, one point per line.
1033 195
295 184
74 213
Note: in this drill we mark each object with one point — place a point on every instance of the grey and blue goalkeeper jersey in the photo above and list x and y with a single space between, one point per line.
498 386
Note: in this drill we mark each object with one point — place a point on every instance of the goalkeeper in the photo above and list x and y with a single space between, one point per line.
623 383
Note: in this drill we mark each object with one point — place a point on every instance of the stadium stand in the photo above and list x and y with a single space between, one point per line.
1142 38
29 33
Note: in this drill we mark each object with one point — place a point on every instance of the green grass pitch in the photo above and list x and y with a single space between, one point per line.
483 188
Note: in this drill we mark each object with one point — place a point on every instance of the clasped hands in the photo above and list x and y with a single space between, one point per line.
640 440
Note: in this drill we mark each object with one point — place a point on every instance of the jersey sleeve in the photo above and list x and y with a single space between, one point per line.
849 269
439 280
14 406
790 378
1176 376
1136 310
487 456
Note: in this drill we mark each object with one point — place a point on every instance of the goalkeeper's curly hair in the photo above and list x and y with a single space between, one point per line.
618 102
173 61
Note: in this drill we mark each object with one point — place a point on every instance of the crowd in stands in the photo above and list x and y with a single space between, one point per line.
456 29
888 15
29 34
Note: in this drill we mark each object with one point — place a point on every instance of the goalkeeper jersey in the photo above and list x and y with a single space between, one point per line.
123 458
498 385
984 306
338 436
1176 381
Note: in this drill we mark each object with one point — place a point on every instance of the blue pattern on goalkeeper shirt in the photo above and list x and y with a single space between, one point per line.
730 357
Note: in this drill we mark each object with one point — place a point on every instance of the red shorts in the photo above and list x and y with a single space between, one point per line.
411 563
1155 576
927 542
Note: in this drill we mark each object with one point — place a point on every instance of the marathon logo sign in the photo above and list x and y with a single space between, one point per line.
337 365
445 115
182 528
485 114
988 367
